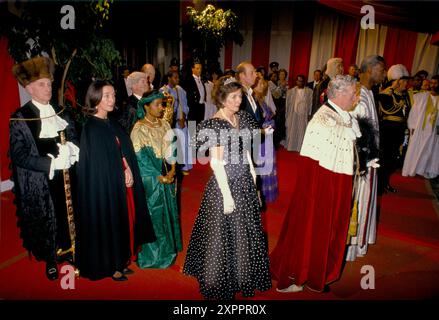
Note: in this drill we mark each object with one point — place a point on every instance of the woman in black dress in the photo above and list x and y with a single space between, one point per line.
227 251
113 219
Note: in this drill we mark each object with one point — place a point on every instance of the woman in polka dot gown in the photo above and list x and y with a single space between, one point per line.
227 251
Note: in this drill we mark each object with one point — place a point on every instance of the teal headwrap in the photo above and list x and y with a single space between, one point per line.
140 105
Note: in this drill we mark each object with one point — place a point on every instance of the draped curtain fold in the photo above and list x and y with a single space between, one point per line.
281 33
261 37
371 41
244 52
301 43
10 102
426 55
400 47
228 55
323 40
346 43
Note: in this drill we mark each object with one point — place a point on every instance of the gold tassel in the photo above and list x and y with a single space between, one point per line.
353 223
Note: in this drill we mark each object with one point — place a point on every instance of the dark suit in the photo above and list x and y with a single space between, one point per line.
257 115
196 109
317 92
129 117
259 118
121 91
310 85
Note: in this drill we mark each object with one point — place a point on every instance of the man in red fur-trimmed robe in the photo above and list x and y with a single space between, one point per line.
312 241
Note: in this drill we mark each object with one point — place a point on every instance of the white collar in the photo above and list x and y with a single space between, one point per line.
51 123
138 97
41 106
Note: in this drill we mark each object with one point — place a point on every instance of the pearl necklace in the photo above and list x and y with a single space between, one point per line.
231 122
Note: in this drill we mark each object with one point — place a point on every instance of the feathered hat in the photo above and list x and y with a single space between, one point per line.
33 69
397 71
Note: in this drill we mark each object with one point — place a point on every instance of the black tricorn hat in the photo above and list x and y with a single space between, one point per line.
33 69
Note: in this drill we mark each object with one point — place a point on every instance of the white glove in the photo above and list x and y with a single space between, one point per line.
373 163
252 168
62 161
221 177
73 152
268 130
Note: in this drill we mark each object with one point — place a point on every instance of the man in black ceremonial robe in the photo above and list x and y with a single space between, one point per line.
38 160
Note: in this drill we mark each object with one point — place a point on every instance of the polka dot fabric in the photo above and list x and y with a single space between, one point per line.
228 253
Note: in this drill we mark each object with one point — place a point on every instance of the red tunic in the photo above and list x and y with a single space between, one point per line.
131 213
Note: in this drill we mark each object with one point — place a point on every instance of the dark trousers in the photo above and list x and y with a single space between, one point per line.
391 139
196 112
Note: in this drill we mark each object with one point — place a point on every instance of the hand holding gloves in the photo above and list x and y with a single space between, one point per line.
68 154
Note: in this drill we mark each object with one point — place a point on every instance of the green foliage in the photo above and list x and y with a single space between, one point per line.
214 25
209 30
102 10
37 30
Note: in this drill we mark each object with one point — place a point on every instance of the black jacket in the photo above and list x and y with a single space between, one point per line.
196 109
129 117
257 115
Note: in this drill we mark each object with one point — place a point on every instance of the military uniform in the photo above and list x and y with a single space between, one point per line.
394 109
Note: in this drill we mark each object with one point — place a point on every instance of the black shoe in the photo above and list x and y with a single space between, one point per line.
51 271
122 277
128 271
389 188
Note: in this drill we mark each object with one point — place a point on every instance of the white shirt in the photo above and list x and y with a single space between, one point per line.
315 83
249 93
201 89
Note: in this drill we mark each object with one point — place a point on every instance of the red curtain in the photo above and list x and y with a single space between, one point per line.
228 54
301 44
10 102
347 40
400 47
261 36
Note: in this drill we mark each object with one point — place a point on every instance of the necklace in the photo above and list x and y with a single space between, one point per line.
233 123
152 123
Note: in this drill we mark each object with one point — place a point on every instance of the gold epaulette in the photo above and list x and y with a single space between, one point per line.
388 91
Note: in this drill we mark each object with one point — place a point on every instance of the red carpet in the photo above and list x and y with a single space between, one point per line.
405 258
